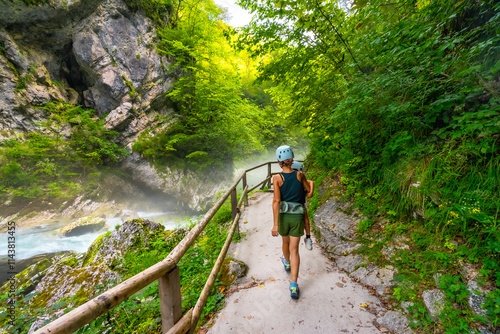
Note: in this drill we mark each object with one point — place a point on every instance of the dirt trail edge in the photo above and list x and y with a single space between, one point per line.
330 302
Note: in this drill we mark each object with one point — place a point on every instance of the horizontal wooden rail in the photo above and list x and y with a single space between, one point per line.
94 308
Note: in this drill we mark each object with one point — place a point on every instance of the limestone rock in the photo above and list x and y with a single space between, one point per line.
336 227
120 117
398 243
115 50
31 275
63 281
83 226
232 270
477 297
106 250
395 322
433 300
349 262
406 305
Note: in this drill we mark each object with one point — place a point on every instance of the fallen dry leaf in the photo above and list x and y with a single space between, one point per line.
363 305
343 280
236 301
340 285
222 288
345 253
245 222
249 317
332 226
271 279
261 285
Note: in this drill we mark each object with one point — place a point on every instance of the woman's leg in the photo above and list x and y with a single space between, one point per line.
294 257
285 247
307 225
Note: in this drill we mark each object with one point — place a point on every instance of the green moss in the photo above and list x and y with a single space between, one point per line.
70 261
24 278
77 277
112 58
33 2
130 86
94 248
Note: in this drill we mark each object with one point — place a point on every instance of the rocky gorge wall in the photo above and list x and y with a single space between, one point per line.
101 55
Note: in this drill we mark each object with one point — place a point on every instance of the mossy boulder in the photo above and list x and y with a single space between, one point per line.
108 249
62 281
83 226
29 277
83 276
232 270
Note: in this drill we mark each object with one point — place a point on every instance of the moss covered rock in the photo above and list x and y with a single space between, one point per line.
232 270
62 281
109 248
29 277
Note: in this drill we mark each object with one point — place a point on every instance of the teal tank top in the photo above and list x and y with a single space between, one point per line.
292 189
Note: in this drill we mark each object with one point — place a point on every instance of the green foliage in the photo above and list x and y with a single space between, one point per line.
157 10
401 100
219 113
455 314
35 164
364 225
32 2
492 306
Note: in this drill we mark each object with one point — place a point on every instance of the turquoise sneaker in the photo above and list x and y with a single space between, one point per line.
294 290
286 264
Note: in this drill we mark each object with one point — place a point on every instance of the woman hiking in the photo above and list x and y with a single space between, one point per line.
288 213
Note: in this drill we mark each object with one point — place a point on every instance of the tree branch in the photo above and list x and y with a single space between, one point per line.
339 35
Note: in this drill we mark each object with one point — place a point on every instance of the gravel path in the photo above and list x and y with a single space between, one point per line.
330 302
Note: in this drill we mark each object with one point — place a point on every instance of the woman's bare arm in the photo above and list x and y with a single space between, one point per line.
304 181
276 204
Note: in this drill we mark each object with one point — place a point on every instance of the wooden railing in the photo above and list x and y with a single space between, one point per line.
167 274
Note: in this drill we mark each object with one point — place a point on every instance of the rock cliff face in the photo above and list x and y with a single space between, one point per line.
95 53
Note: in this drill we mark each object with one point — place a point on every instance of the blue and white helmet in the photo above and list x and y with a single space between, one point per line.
284 152
297 166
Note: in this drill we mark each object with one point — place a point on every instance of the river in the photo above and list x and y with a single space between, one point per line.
46 238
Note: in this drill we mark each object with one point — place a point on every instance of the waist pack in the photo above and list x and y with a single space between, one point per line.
292 208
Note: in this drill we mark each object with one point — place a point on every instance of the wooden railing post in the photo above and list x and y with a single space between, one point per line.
245 198
234 200
169 287
269 175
